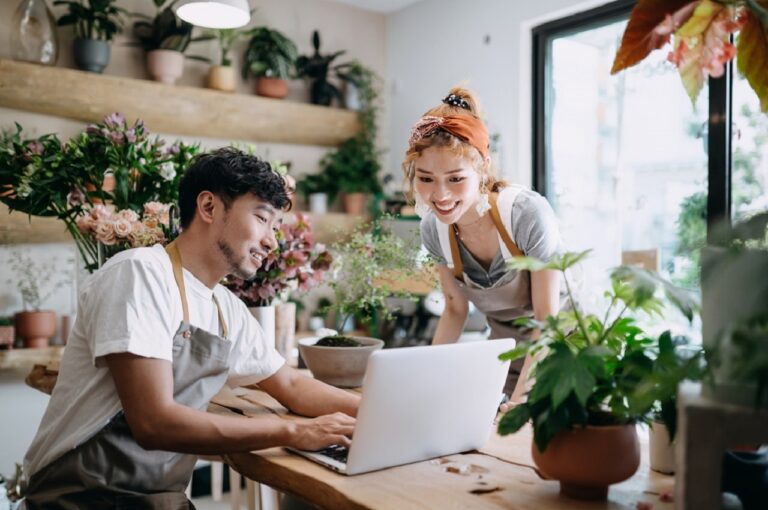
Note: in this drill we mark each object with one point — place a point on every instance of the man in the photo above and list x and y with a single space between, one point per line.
156 337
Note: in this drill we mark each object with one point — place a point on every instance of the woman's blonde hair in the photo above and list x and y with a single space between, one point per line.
467 105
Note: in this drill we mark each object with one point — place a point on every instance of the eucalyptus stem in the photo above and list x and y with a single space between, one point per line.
579 318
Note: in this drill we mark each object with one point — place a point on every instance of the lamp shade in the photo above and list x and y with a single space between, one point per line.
214 13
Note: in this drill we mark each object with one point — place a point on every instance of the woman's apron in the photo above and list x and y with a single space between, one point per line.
506 300
110 470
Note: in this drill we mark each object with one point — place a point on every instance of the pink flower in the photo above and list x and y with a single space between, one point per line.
114 120
35 147
122 228
128 215
101 212
76 197
105 232
85 223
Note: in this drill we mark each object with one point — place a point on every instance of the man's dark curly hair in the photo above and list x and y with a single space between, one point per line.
229 173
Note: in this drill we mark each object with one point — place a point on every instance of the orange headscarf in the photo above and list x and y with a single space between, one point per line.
466 127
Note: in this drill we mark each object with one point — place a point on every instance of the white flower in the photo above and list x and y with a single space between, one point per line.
168 171
23 190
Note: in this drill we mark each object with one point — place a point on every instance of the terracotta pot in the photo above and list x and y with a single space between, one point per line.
354 203
35 328
7 336
165 66
587 460
222 78
339 366
276 88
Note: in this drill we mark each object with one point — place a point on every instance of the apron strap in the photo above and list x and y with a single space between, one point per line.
510 244
173 252
458 266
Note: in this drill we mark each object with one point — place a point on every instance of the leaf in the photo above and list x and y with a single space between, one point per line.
518 352
558 262
692 34
640 36
514 419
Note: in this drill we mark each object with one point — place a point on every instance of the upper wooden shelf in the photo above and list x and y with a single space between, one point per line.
177 110
27 358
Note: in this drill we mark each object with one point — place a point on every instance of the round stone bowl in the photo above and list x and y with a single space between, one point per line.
338 366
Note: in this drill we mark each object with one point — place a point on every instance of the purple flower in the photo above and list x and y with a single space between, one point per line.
114 120
35 147
93 129
76 197
130 136
117 137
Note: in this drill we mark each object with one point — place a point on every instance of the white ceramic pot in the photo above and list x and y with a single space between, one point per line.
662 451
265 315
165 66
318 203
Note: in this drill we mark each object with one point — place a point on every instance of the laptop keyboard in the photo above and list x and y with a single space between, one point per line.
336 452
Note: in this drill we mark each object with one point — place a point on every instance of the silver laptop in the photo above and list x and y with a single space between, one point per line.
420 403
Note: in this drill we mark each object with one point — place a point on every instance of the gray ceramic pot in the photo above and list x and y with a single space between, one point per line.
339 366
91 55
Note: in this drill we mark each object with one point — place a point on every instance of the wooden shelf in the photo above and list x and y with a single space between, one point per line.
27 358
169 109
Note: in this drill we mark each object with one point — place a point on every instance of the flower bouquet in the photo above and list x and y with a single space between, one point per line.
113 163
298 263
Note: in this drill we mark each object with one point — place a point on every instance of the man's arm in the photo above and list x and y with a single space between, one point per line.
145 388
308 397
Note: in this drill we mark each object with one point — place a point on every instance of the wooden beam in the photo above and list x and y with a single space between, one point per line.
19 228
176 110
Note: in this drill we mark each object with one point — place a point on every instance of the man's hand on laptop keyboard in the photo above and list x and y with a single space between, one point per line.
323 431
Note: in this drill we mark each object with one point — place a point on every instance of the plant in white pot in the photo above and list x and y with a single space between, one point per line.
270 57
223 76
96 22
36 282
165 37
366 269
582 404
735 312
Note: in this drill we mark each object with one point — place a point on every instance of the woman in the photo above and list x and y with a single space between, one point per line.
472 223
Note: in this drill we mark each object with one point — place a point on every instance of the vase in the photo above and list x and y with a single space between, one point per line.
318 203
352 97
265 316
35 328
285 329
222 78
165 66
91 54
276 88
33 33
354 203
661 449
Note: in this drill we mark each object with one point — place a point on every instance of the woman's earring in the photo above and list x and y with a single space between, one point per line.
421 208
482 206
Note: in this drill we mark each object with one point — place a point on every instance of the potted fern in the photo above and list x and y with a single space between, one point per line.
165 37
270 57
96 22
584 403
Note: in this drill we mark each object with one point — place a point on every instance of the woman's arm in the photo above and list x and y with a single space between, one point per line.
451 323
545 296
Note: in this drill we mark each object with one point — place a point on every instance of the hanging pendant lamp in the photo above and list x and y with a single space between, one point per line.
214 13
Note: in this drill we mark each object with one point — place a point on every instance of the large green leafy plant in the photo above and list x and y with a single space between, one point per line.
269 53
591 366
46 177
316 67
93 19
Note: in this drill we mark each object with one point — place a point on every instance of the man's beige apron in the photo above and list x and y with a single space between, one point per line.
505 301
110 470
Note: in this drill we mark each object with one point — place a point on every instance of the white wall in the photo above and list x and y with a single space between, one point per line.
436 44
361 33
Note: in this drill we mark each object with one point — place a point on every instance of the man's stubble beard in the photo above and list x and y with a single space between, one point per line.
235 266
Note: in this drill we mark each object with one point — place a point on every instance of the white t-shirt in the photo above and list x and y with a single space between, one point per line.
133 305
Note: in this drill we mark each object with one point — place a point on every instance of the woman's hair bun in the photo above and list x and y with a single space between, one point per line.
461 98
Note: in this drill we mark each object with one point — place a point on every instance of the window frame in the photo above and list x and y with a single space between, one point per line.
719 151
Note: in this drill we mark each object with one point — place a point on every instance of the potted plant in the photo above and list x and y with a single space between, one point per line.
583 403
36 283
675 359
270 57
361 289
96 22
165 38
316 67
223 77
360 85
7 333
354 168
317 190
735 312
